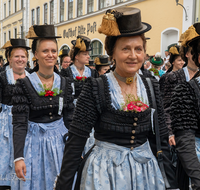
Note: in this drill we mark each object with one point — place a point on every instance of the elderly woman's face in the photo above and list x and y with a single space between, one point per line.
129 55
18 58
47 53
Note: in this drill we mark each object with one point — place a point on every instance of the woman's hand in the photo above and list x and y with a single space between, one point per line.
20 169
172 141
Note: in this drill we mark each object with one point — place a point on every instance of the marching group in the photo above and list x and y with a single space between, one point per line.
93 125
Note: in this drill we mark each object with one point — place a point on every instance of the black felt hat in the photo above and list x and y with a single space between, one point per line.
101 60
18 43
124 21
82 43
15 43
41 31
91 63
64 52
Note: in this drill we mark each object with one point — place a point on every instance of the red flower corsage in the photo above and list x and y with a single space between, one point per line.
78 78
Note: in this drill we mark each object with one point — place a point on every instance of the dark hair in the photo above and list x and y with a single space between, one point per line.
37 41
110 42
196 52
73 52
173 57
98 67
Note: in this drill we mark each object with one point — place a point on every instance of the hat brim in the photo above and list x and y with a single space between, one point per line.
150 59
145 28
26 47
103 64
48 37
189 43
73 42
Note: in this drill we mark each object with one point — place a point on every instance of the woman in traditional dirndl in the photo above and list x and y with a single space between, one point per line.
185 109
18 55
118 106
39 103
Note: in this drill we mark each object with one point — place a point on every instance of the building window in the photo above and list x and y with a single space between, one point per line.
62 6
79 7
15 5
197 11
4 10
33 16
118 1
96 49
70 9
51 12
45 13
102 4
4 37
22 4
15 33
22 32
90 6
9 35
9 7
38 15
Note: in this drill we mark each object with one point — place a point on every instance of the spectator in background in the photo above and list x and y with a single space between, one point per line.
167 66
91 64
102 64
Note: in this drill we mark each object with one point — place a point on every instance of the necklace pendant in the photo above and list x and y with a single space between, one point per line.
129 80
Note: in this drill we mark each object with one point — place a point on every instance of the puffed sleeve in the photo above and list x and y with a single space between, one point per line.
69 110
20 113
167 84
169 170
84 120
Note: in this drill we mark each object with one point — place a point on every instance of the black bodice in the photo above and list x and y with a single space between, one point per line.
6 90
109 123
78 85
29 106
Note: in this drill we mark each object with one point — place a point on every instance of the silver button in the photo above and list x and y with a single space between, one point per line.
132 148
135 124
50 106
50 113
136 119
132 137
51 117
50 98
131 141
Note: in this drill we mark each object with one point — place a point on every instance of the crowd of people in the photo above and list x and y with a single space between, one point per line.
123 121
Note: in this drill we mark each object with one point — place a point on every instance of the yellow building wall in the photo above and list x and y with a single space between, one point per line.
160 14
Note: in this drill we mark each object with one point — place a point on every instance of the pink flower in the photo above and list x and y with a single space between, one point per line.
137 109
130 107
125 108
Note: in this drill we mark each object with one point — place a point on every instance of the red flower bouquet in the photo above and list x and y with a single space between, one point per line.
48 92
134 105
78 78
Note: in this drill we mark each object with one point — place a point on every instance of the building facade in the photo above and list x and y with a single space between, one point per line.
74 17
